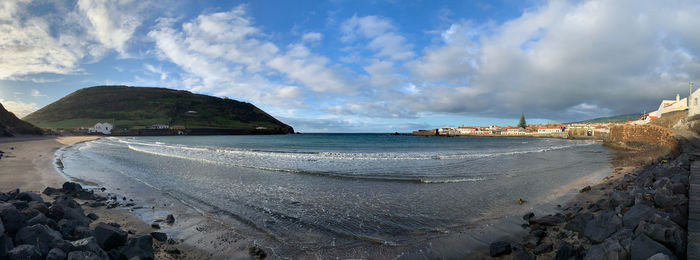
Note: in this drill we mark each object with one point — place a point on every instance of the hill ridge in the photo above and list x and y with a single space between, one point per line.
130 107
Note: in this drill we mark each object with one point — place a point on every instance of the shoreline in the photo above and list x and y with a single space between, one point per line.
129 219
595 223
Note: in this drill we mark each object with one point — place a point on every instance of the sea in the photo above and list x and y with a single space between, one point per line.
347 195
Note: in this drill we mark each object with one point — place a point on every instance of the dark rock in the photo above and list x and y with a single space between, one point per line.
522 255
543 248
38 235
172 250
539 233
51 191
5 245
38 219
41 207
549 220
11 217
160 236
96 204
602 226
29 196
531 241
636 214
610 249
566 251
257 252
170 219
56 254
618 198
24 252
71 210
109 237
93 216
495 249
84 255
669 234
659 256
71 187
644 247
155 226
66 227
139 246
585 189
578 223
89 244
528 216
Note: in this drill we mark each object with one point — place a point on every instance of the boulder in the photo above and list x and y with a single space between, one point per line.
29 196
636 214
528 216
585 189
71 187
2 227
41 207
5 245
522 255
170 219
644 247
495 249
618 198
566 251
24 252
543 248
40 236
160 236
669 234
578 223
38 219
257 252
109 237
659 256
56 254
602 226
50 191
11 217
138 246
610 249
92 216
89 244
71 210
84 255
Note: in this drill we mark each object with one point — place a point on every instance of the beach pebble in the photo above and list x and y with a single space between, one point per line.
499 248
257 252
170 219
543 248
155 226
585 189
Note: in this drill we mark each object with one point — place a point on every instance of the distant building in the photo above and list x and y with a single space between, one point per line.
178 127
158 126
466 130
512 130
693 104
261 128
103 128
447 131
549 130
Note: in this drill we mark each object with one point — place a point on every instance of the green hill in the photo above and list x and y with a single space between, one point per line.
10 125
140 107
611 119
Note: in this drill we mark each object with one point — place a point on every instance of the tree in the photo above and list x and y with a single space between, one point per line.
522 123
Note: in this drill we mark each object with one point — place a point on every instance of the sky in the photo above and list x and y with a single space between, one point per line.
362 66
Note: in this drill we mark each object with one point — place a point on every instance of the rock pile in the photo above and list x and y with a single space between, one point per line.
643 215
31 228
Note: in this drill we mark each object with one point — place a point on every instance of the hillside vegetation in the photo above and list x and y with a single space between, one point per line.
10 125
611 119
140 107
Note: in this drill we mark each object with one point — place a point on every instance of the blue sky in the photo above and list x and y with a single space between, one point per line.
361 66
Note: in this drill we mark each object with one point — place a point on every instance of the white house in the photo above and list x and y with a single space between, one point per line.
669 106
549 130
693 104
465 130
447 131
104 128
159 126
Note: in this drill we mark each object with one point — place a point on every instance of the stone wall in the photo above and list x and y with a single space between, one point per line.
651 134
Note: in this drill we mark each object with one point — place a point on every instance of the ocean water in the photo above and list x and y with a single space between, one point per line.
337 192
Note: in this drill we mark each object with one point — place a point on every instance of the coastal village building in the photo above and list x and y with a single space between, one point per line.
549 130
103 128
158 126
465 130
512 130
694 102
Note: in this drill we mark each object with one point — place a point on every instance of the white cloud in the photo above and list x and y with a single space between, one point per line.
112 22
311 37
383 36
456 60
157 71
36 93
20 109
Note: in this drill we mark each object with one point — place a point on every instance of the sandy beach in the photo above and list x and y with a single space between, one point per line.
27 163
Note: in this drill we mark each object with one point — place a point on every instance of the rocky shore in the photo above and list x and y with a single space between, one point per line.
635 213
33 228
